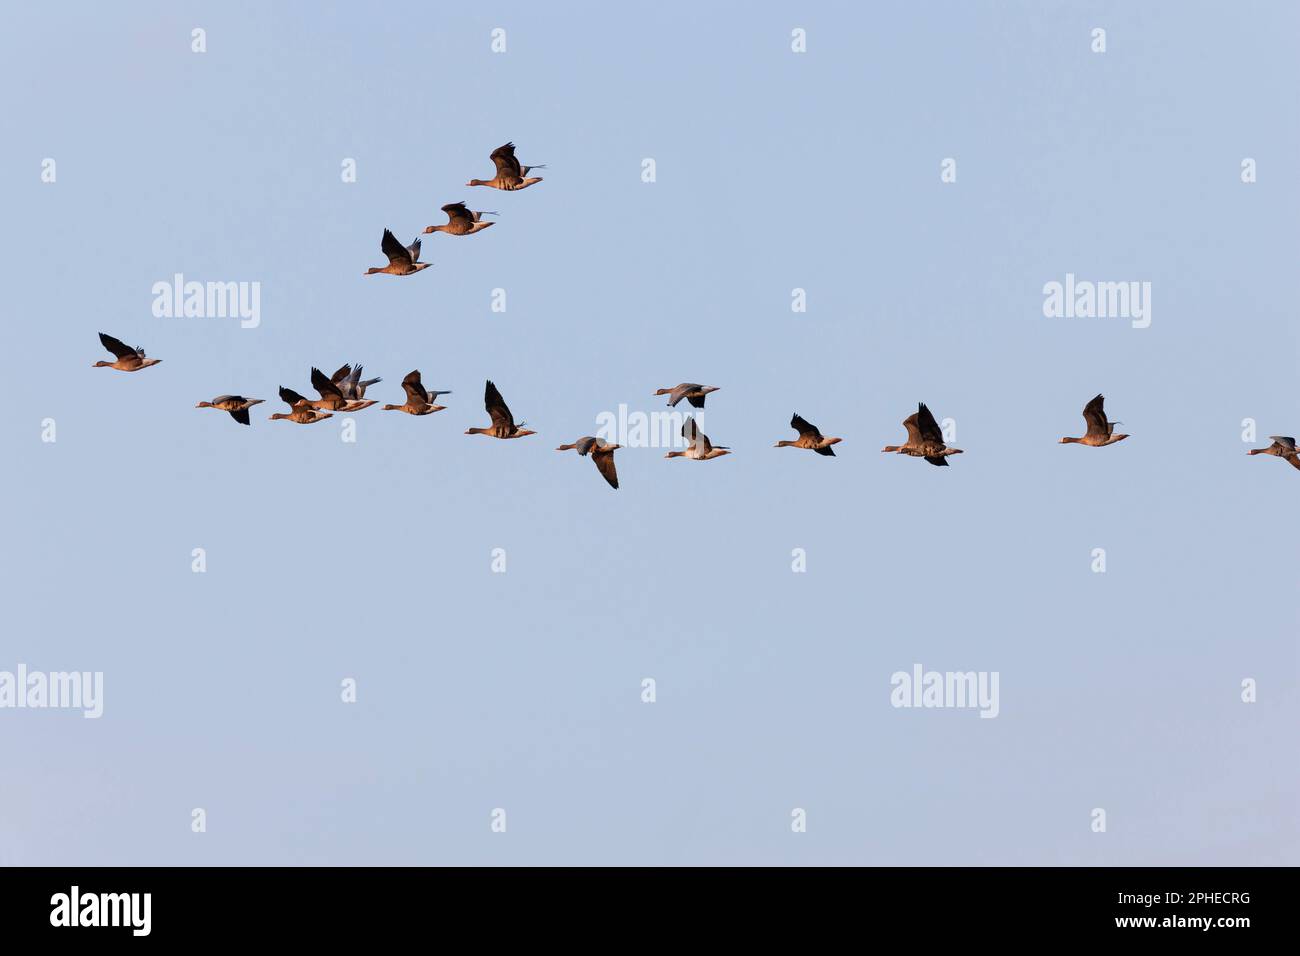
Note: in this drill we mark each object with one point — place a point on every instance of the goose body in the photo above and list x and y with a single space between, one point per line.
402 260
601 453
461 221
1283 447
418 400
924 439
809 437
127 358
693 393
300 410
503 423
510 175
236 405
700 448
1100 432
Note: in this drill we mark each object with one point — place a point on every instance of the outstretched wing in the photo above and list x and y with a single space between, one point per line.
805 428
240 415
292 398
415 393
341 374
1094 413
504 159
691 432
458 211
496 406
927 426
604 460
396 252
117 346
913 429
323 385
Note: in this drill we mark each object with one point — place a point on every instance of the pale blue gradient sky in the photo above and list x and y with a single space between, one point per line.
521 690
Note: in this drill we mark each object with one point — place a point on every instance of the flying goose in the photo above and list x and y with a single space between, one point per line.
695 394
402 260
331 396
809 437
503 423
700 448
237 405
348 379
301 410
418 401
924 439
601 453
510 175
1283 447
128 359
1100 432
461 221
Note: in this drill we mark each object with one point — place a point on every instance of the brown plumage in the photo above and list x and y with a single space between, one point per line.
510 175
402 260
601 453
809 437
418 400
503 423
461 221
128 359
300 410
237 405
924 439
1283 447
1100 432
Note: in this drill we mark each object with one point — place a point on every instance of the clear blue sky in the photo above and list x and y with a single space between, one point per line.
521 690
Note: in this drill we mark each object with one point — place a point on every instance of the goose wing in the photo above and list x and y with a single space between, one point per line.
396 252
805 428
415 394
604 459
118 347
1094 413
504 159
681 391
323 385
913 429
927 426
292 398
458 212
691 432
496 406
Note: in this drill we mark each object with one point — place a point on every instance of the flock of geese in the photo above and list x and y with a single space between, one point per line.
345 390
461 220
